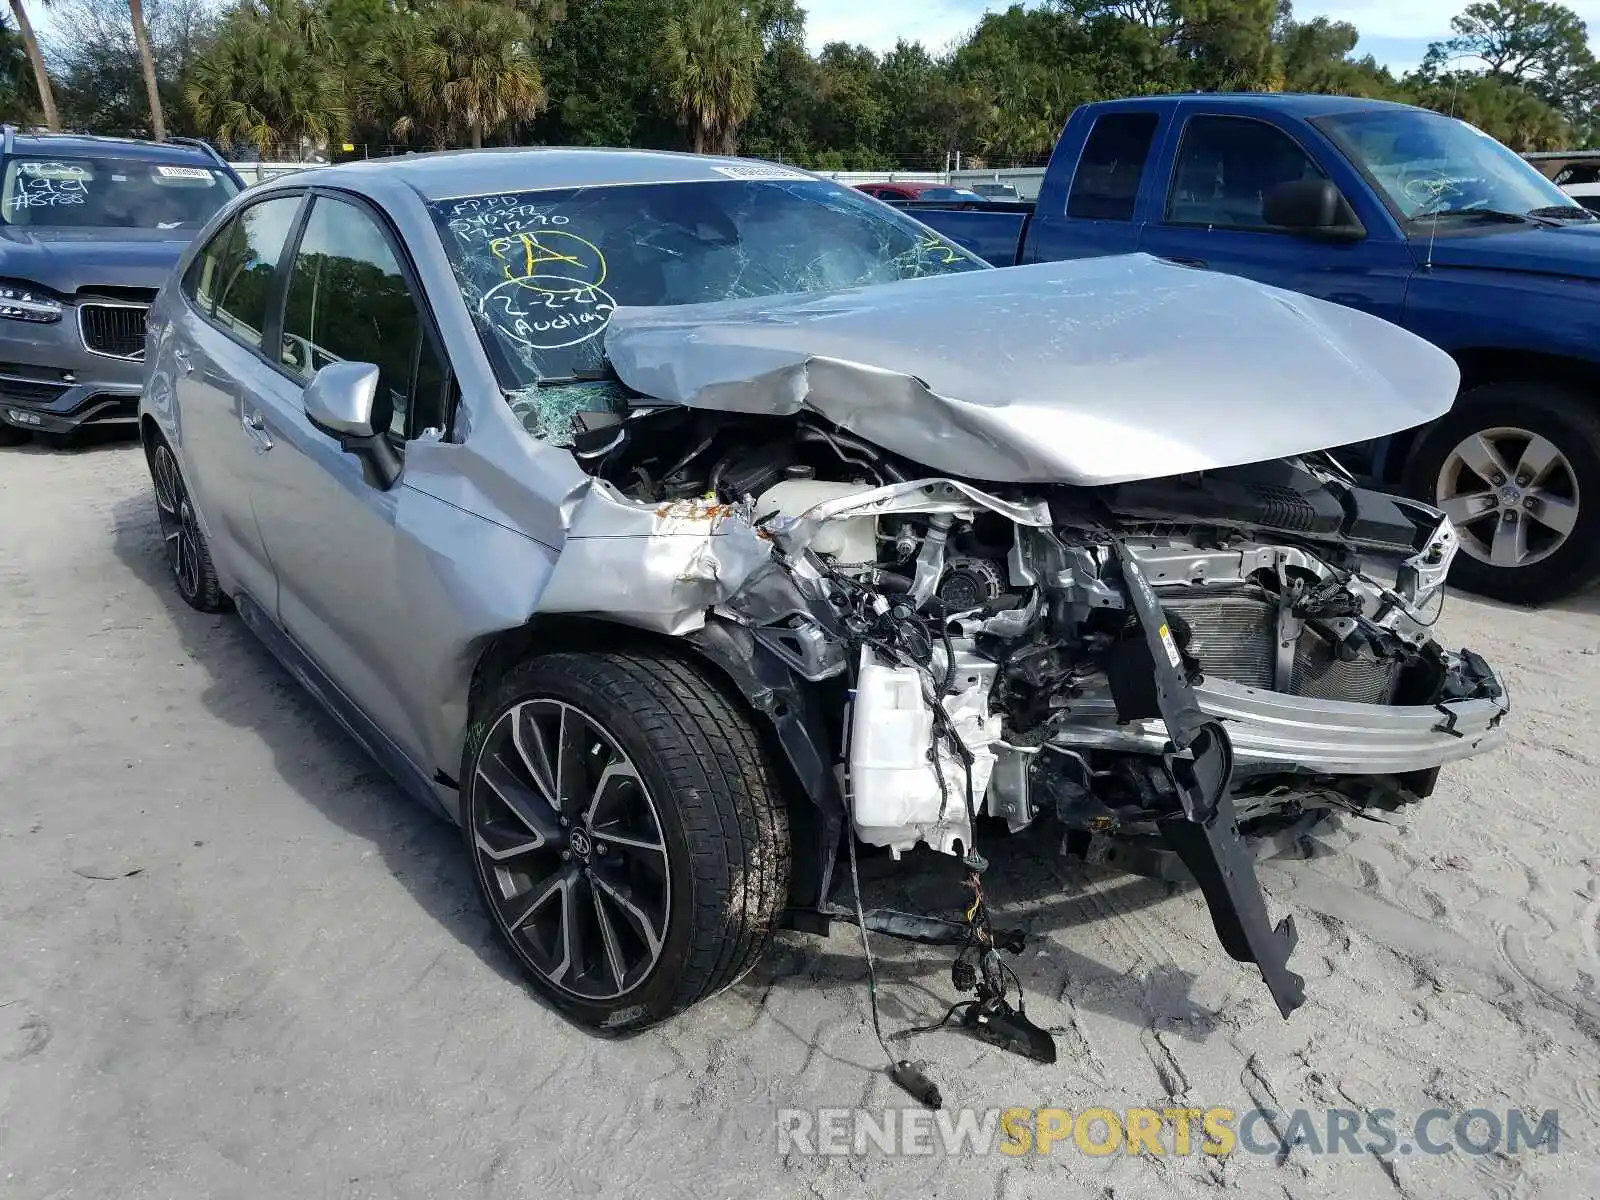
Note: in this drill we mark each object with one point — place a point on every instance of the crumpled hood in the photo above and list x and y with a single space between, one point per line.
1570 251
65 260
1089 372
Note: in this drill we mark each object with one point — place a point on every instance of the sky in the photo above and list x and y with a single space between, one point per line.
1395 32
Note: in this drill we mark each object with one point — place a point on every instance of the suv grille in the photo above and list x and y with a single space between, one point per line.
114 329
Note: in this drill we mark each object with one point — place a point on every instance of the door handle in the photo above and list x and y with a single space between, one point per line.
255 426
181 357
1183 261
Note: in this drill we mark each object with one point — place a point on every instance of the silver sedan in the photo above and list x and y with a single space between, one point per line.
674 523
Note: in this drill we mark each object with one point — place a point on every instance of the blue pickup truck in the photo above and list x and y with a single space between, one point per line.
1408 214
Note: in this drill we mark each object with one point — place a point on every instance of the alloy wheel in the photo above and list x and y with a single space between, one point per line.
1511 494
180 529
571 848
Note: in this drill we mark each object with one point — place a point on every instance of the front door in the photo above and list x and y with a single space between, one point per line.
1223 168
330 534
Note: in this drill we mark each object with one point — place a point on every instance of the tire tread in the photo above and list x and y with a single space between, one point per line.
722 785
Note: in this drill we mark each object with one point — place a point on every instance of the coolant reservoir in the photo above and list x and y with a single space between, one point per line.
891 732
895 793
848 540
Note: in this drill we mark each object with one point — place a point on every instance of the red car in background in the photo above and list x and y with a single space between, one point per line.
918 191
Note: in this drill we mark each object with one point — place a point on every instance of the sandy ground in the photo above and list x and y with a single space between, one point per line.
235 962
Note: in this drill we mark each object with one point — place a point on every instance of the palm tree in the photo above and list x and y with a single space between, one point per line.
147 64
47 98
711 57
389 89
474 70
261 84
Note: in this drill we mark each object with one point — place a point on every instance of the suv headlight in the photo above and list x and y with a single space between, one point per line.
27 302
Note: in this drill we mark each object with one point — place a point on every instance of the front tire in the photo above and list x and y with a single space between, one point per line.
628 836
1516 467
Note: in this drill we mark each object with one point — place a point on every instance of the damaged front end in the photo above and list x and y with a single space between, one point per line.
1175 671
966 585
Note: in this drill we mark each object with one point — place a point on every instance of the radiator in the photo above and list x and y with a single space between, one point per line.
1233 636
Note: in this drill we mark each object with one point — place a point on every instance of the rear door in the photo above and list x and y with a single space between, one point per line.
216 347
1221 167
331 535
1102 209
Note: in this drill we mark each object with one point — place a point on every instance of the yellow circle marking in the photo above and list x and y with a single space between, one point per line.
547 254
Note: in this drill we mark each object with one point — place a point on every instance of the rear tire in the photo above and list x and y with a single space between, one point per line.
188 556
646 870
1516 466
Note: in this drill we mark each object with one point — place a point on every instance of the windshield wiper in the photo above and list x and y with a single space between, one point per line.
1487 214
1563 212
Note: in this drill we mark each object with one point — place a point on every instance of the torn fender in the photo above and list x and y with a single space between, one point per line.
657 566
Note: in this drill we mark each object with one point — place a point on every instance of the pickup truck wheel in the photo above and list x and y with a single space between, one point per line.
1516 467
628 835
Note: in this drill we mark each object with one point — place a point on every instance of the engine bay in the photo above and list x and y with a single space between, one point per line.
995 626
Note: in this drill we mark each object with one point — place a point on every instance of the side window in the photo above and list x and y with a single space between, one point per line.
200 281
1106 183
348 301
233 275
1226 168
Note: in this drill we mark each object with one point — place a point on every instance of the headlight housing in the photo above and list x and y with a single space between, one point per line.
27 302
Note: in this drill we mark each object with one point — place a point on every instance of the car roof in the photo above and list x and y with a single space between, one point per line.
86 145
1300 104
448 174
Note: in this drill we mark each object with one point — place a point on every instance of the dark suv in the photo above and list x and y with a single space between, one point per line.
90 228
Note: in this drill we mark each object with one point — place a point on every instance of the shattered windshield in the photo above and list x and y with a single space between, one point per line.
542 271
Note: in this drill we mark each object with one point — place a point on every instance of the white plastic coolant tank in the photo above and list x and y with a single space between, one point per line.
849 540
892 784
895 793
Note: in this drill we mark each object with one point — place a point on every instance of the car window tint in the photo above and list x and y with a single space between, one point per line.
348 302
243 282
1106 183
1226 168
200 281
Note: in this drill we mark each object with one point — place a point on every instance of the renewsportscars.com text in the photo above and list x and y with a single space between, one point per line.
1177 1132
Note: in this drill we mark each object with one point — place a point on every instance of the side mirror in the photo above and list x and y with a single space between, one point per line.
342 401
1313 207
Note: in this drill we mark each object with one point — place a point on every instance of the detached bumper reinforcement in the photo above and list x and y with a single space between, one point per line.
1206 837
